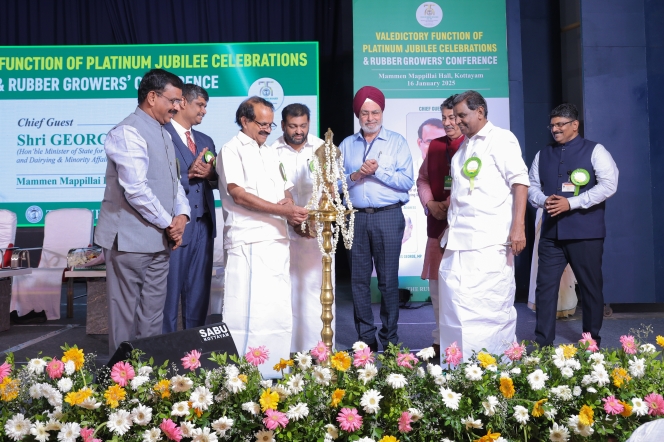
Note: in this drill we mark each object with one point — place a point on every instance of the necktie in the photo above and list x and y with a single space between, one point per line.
190 143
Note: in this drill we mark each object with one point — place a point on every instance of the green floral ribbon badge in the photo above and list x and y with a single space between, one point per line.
311 166
282 169
471 168
209 156
579 177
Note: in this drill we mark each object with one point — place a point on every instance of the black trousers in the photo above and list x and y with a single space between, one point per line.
585 258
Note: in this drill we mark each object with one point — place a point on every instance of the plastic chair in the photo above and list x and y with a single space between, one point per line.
217 287
64 229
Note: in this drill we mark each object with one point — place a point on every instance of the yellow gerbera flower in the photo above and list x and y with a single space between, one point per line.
620 376
9 389
114 394
486 359
341 361
242 377
77 397
627 412
337 396
283 364
660 340
162 388
586 415
76 356
569 350
489 436
269 400
507 387
389 439
538 410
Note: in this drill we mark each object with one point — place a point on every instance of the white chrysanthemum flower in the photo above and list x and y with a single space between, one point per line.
573 363
35 391
563 392
266 383
119 422
579 428
222 425
576 391
440 380
38 430
434 370
181 384
201 398
396 380
370 401
70 368
322 375
600 376
648 348
420 372
637 367
90 403
521 414
65 384
446 440
591 390
152 435
17 427
265 436
492 367
53 396
490 405
251 407
145 370
537 379
450 398
297 411
53 424
558 433
550 413
366 439
359 346
567 372
36 366
471 423
141 415
303 360
187 429
515 371
69 432
473 373
367 373
501 439
596 358
180 408
426 353
639 407
204 435
415 414
295 383
586 380
235 384
559 358
282 390
531 360
231 371
505 375
138 381
332 431
56 413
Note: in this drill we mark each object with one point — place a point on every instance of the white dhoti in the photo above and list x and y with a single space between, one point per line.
306 270
257 299
477 299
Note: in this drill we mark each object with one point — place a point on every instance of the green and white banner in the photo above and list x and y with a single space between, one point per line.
60 101
419 53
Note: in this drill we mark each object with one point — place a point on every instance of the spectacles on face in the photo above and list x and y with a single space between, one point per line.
559 125
173 101
265 126
365 114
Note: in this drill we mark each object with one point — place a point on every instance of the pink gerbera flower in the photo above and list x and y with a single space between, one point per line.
55 368
257 356
5 369
613 405
515 351
349 420
192 360
592 344
122 372
453 354
362 357
406 360
655 404
86 434
171 430
320 352
405 421
275 419
628 344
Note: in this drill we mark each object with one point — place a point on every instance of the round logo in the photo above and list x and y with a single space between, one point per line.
269 89
429 14
34 214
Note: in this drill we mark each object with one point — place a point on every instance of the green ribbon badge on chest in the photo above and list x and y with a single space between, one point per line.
579 177
471 168
282 169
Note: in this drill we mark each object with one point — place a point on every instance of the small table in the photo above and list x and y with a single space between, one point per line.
6 293
97 306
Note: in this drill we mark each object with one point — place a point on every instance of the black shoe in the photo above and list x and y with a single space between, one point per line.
30 318
374 347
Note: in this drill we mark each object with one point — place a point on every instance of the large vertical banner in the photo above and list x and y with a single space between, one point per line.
419 54
60 101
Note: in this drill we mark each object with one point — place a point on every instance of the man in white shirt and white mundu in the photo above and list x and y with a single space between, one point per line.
486 229
296 150
257 204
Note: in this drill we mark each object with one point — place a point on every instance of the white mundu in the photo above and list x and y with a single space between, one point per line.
476 275
257 300
305 268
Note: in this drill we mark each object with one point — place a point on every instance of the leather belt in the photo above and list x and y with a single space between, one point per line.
379 209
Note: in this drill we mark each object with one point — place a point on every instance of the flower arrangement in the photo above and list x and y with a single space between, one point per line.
568 393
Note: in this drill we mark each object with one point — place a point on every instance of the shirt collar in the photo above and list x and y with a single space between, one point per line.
484 132
180 129
382 134
246 139
281 144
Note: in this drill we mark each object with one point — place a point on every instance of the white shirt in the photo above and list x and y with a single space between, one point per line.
181 132
483 217
129 151
606 172
256 169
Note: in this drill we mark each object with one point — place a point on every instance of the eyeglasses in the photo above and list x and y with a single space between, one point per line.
559 125
265 125
174 101
375 113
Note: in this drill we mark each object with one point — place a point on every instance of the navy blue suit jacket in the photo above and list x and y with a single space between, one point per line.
195 186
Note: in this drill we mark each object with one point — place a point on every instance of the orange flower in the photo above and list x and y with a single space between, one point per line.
242 377
620 376
283 364
507 387
162 388
538 410
76 356
489 436
114 394
9 389
77 397
341 361
586 415
337 396
627 412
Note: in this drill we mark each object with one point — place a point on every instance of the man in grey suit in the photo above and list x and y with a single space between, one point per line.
190 273
144 210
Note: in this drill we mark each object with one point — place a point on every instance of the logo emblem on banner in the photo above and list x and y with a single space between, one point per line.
269 89
34 214
429 14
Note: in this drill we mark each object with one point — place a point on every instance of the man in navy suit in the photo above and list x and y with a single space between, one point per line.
190 271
